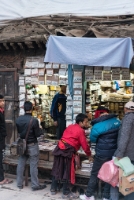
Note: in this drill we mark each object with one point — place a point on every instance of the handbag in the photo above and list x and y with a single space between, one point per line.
22 143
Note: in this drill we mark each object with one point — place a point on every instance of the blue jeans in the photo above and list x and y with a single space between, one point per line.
33 156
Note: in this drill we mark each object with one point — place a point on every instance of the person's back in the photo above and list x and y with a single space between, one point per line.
22 123
105 133
126 137
58 110
64 154
58 107
25 123
75 136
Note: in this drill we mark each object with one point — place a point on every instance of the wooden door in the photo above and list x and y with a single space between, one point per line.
9 88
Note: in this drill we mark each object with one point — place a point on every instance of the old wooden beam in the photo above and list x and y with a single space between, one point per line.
21 45
6 46
14 45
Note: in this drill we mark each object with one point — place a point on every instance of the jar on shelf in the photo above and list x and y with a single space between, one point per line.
111 106
116 106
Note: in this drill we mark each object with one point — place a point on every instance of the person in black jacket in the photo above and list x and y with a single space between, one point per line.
104 133
2 138
57 111
22 124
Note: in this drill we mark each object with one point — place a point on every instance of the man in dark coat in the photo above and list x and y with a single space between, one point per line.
58 109
24 123
104 133
126 138
2 138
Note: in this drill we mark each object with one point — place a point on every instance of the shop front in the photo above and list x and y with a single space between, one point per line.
90 82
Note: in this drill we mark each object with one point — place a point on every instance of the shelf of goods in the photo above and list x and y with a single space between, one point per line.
104 93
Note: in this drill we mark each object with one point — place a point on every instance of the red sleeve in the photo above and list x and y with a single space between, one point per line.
84 143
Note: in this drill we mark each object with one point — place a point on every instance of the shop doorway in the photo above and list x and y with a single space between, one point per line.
9 88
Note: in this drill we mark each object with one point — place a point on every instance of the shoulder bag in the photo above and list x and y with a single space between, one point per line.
22 143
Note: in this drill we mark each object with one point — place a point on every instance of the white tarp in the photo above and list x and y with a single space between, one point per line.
112 52
20 9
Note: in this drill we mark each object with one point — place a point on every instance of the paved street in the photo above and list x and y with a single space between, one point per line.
11 192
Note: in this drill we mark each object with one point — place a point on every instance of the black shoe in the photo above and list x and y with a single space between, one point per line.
40 187
20 187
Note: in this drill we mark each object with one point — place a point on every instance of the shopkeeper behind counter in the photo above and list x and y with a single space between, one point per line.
58 109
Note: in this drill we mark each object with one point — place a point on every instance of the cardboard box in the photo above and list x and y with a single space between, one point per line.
115 76
77 76
125 70
77 91
106 77
126 184
62 80
77 98
41 80
89 67
22 90
34 80
34 72
55 80
125 76
63 66
49 71
28 79
77 85
98 68
35 64
77 103
41 65
98 76
116 70
27 72
62 72
41 72
106 68
48 80
48 66
89 78
55 66
21 82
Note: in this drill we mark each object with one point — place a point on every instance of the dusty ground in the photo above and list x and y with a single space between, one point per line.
11 192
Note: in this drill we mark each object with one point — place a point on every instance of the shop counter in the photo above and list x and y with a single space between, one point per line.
46 158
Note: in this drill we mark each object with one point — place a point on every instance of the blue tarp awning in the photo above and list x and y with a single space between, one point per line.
112 52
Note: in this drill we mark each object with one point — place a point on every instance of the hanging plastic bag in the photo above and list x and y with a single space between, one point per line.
109 173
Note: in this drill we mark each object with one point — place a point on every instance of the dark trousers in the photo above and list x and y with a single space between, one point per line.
1 166
60 128
56 186
92 184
